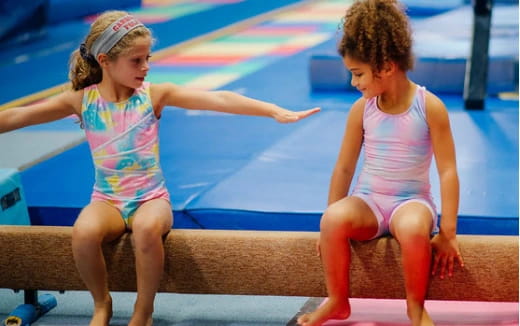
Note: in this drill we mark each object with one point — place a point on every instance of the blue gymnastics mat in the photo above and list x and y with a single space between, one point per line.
46 59
288 183
264 176
236 172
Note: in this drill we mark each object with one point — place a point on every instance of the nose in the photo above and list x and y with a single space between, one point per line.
353 80
146 66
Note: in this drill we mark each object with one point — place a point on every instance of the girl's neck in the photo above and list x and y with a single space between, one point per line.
114 93
398 96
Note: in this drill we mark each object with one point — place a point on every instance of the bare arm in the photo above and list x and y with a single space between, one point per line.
347 158
445 243
168 94
52 109
348 155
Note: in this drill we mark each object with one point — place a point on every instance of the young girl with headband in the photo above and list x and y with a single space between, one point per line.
401 126
120 113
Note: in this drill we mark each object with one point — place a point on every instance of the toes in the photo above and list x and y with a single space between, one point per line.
303 319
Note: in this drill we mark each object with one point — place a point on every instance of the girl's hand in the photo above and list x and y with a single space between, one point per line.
287 116
446 251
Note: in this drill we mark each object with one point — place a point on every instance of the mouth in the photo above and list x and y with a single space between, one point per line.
140 78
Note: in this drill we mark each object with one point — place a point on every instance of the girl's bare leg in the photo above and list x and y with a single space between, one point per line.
97 223
411 225
349 218
150 223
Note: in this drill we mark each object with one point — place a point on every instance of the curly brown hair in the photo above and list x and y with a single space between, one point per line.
85 72
376 32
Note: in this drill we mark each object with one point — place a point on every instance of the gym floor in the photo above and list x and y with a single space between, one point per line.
234 172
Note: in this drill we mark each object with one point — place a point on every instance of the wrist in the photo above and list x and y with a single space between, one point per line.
275 111
448 232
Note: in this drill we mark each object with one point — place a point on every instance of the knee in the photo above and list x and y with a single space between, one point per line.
413 232
85 236
339 219
146 233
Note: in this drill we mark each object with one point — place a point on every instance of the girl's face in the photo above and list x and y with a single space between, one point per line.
131 67
363 78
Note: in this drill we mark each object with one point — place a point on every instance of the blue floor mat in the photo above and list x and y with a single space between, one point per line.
235 172
46 59
486 141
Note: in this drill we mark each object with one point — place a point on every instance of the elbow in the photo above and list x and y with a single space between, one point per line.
224 97
7 122
449 174
343 173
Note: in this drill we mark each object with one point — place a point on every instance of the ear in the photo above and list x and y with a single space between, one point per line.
389 68
102 59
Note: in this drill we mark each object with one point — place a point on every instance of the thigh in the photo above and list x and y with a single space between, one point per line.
99 219
353 215
412 218
153 215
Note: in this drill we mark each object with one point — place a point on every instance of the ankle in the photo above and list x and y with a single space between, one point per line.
103 303
414 309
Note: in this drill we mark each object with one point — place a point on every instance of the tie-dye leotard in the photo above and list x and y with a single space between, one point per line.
123 139
398 154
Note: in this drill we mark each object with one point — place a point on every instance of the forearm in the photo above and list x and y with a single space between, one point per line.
234 103
339 185
449 184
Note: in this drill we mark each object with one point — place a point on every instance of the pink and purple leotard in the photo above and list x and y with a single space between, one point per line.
397 158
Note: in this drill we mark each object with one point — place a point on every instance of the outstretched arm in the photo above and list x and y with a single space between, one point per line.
55 108
168 94
445 243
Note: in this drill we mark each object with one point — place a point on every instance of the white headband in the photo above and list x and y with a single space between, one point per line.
112 34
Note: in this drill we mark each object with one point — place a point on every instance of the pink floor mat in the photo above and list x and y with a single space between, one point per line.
371 312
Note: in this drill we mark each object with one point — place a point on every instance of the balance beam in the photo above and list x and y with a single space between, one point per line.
255 263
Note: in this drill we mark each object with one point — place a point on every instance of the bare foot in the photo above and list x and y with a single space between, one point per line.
102 313
419 316
426 320
329 310
140 320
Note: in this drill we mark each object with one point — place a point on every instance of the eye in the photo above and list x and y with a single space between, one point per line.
138 61
358 74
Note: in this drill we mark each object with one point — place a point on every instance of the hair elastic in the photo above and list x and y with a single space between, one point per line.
85 55
112 34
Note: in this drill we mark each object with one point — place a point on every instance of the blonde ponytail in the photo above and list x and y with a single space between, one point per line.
83 72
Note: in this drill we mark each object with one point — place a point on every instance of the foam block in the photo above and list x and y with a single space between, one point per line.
430 7
439 75
446 75
13 208
327 72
